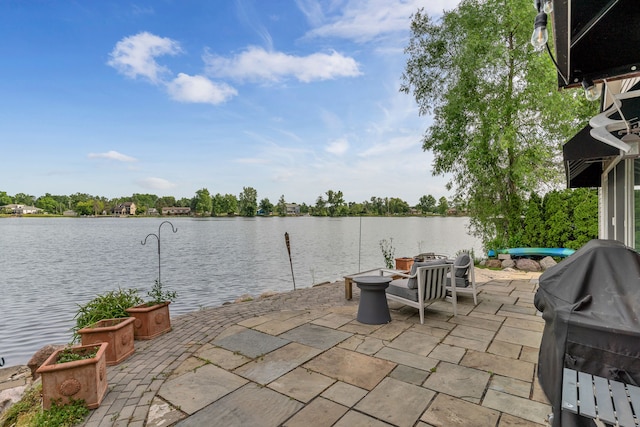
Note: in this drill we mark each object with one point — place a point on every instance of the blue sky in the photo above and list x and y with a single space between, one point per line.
290 97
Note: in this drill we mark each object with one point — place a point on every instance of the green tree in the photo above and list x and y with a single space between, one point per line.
5 199
281 207
559 230
498 119
443 206
230 204
320 207
84 208
24 199
584 203
48 204
398 206
201 204
534 224
426 204
266 206
248 202
335 200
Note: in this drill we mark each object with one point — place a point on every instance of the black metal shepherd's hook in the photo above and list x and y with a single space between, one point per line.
157 236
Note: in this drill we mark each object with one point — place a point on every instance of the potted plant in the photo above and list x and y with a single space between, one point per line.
404 263
152 318
105 319
78 373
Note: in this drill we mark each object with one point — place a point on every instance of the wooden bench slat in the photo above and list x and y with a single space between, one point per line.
569 391
603 400
621 404
587 401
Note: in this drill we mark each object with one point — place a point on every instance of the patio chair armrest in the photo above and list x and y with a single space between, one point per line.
395 273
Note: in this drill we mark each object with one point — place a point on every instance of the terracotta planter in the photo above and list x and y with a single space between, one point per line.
150 321
118 333
81 379
404 263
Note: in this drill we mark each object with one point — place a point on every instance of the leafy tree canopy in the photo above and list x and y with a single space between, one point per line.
498 118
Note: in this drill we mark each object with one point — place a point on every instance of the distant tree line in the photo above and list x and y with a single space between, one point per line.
203 203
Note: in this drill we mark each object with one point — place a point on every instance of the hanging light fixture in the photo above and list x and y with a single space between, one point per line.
591 91
547 7
540 34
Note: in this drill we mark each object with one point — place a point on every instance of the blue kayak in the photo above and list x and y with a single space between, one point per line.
558 252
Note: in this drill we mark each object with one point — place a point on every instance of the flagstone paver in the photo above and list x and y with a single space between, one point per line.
316 336
396 402
186 393
458 381
301 384
277 363
301 359
516 406
499 365
446 411
417 361
248 406
344 394
354 368
251 343
320 412
519 336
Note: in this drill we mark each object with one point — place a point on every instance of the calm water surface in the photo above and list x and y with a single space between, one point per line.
49 265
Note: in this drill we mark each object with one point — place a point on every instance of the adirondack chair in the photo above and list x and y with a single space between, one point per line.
427 282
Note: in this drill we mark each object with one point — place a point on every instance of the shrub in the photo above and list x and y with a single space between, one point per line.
111 305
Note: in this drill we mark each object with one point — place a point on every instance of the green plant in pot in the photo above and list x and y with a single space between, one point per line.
75 373
105 319
152 318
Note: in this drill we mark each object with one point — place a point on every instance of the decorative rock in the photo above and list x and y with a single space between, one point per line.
14 380
503 257
40 356
547 262
508 263
526 264
268 294
494 263
244 298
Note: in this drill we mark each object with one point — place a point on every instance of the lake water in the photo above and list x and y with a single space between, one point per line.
49 265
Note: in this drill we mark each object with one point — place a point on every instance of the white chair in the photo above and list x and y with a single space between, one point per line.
465 278
425 283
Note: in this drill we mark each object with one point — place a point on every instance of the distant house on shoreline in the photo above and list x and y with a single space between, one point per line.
18 209
126 208
176 210
293 209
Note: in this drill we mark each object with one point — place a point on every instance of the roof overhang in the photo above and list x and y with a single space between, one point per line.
596 39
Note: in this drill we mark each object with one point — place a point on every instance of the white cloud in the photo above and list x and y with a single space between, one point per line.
393 146
199 89
338 147
112 155
152 183
135 55
365 20
255 63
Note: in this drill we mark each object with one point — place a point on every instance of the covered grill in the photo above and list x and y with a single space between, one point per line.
591 304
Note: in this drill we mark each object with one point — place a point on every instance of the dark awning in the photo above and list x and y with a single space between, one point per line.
583 159
596 39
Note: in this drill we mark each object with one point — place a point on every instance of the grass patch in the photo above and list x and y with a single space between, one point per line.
28 412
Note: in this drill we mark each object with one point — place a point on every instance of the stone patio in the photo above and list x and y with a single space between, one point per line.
302 359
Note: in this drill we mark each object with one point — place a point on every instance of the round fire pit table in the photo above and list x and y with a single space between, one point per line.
373 308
